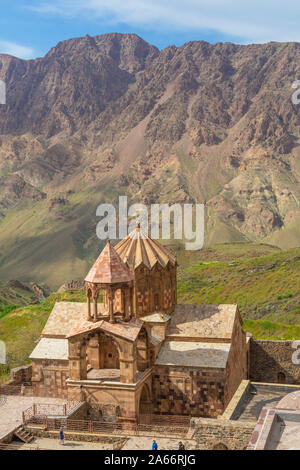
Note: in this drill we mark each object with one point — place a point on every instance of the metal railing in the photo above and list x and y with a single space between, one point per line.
44 410
168 425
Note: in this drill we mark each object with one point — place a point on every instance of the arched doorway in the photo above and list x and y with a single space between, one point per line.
145 407
142 350
104 358
219 446
281 378
109 354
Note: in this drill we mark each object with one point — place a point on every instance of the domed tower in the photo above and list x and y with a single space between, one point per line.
112 276
154 269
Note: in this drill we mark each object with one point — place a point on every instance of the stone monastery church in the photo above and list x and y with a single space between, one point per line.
131 348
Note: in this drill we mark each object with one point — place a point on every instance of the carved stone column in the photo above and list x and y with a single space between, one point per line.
110 294
95 303
131 301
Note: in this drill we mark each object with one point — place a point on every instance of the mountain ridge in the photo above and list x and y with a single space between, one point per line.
101 116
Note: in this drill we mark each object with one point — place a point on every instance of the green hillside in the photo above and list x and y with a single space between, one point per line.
21 327
264 287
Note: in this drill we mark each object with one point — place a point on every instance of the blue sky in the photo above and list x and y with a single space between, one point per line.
28 29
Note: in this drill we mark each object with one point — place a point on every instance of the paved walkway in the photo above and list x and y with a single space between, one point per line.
164 443
11 408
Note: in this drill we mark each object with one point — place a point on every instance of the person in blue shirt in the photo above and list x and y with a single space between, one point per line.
154 445
61 437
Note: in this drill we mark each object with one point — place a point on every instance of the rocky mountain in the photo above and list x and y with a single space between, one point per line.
15 293
103 116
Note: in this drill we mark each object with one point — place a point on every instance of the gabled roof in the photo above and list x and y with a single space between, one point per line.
84 326
138 248
156 317
63 317
51 348
109 268
192 354
202 321
129 330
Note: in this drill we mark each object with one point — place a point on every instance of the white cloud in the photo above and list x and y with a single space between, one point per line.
17 50
252 20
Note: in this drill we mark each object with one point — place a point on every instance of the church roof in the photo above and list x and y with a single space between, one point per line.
156 317
129 330
193 354
138 248
51 348
202 321
109 268
63 317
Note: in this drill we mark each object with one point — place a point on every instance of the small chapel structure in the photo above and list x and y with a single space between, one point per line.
132 349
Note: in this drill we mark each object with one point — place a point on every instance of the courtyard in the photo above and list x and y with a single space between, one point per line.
12 407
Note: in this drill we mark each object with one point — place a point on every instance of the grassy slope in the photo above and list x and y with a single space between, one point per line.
263 280
21 328
265 287
262 286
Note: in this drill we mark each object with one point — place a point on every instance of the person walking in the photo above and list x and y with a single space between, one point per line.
154 445
181 446
61 437
22 390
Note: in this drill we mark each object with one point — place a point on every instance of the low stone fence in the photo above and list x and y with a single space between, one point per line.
21 374
18 376
8 389
214 434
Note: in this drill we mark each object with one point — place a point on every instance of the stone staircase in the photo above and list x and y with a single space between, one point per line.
23 434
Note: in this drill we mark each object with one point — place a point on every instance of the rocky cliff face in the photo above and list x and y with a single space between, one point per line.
107 115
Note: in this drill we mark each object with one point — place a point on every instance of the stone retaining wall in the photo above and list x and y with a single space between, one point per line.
221 434
272 362
73 436
18 375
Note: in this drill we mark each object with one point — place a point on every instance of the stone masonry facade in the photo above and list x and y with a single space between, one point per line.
182 391
271 361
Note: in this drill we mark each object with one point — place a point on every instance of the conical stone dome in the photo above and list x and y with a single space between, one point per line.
109 268
138 248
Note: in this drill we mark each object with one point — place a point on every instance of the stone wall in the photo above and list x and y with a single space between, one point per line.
49 378
237 402
80 412
271 361
72 436
212 434
154 289
236 368
186 391
21 374
18 375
